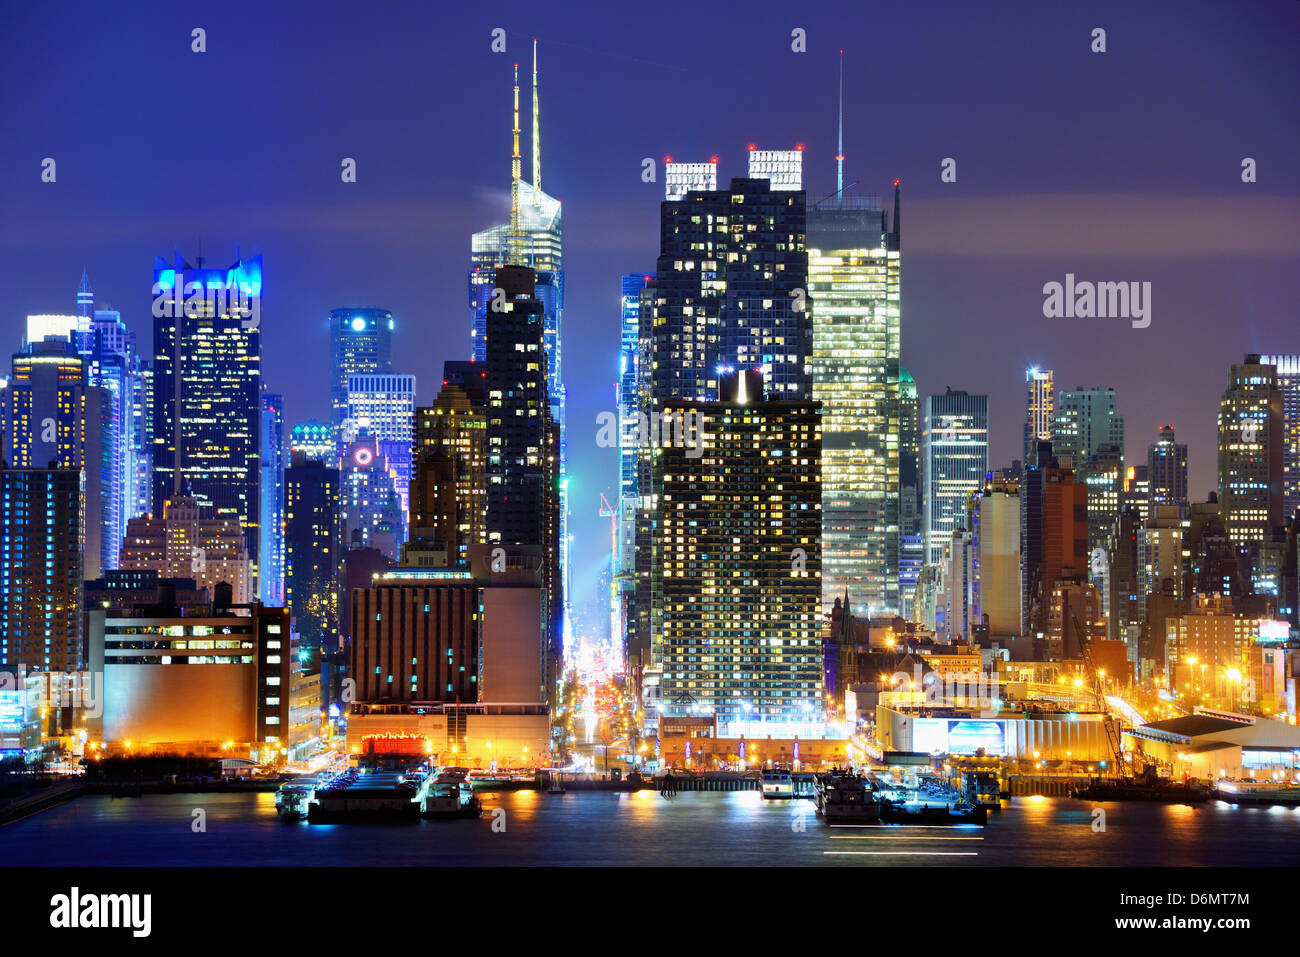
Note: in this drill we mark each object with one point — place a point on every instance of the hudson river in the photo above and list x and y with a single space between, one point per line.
691 828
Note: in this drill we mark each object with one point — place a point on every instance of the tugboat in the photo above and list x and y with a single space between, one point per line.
843 797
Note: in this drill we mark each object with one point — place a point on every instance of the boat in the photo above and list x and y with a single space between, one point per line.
293 798
1260 793
804 784
449 794
844 798
776 785
909 812
1138 790
371 795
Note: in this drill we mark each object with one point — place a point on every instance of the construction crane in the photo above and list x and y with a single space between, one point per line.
1112 730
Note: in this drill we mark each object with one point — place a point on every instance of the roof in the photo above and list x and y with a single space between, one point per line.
1193 725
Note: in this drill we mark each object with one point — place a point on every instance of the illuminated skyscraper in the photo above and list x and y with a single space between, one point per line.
955 453
1085 422
853 284
532 237
382 405
361 341
53 418
681 178
41 569
313 549
628 400
271 585
523 482
736 604
1288 380
1167 469
1040 403
370 509
731 291
314 439
1251 452
207 409
449 491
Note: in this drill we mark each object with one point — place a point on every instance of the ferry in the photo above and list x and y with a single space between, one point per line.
776 784
843 798
449 794
292 799
369 795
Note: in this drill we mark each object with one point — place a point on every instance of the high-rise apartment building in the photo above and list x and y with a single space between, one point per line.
313 549
449 491
41 568
1287 371
54 418
736 606
1251 452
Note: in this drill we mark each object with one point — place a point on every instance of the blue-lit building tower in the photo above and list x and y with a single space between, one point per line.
622 599
271 582
207 409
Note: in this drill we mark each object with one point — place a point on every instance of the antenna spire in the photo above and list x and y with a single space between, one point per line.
514 255
537 135
839 153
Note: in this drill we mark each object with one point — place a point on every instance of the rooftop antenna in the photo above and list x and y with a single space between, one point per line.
537 136
514 253
839 154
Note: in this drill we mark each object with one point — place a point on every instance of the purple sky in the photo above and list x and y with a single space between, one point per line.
1116 166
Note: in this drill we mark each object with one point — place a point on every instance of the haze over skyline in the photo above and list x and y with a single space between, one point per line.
1123 166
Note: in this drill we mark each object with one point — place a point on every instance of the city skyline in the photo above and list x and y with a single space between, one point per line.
1083 210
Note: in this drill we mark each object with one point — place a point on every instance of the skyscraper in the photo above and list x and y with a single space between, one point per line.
853 284
736 582
313 549
1053 532
370 508
1040 404
361 341
271 583
1167 469
1251 452
207 409
955 453
382 406
628 401
731 291
53 418
449 491
523 490
314 439
41 568
532 237
1086 421
1287 370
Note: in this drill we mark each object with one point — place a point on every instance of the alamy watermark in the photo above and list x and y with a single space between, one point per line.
1100 300
678 429
211 298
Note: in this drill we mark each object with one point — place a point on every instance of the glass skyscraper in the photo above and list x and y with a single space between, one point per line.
853 284
207 410
361 341
955 452
271 582
382 405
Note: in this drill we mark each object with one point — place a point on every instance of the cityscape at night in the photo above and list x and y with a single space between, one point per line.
877 445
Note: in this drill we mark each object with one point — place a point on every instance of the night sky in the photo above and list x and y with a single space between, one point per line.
1116 167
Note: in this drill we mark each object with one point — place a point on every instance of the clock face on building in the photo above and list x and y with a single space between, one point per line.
363 457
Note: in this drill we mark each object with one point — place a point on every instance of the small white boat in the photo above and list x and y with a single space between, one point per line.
776 785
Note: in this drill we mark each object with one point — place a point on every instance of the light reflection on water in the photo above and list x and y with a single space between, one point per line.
690 828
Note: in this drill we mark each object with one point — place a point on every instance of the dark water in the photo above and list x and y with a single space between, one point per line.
693 828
